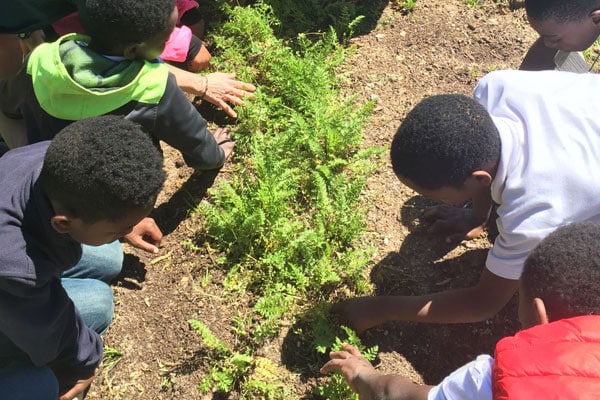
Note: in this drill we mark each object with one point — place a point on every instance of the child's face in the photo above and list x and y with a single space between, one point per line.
567 36
153 47
102 232
445 194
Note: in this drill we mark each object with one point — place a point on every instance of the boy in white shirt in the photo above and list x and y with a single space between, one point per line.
555 356
569 26
528 141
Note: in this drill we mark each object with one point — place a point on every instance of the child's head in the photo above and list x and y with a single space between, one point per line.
130 28
445 146
565 25
102 175
560 277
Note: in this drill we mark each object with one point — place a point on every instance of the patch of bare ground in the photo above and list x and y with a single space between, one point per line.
441 47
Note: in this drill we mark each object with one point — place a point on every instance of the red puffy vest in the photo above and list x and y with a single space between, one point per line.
559 360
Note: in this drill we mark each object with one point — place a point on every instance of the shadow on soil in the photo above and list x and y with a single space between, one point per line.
311 16
435 350
418 267
133 273
317 15
169 215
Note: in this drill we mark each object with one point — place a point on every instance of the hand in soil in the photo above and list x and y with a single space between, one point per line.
77 390
224 140
360 313
456 222
367 382
357 370
145 236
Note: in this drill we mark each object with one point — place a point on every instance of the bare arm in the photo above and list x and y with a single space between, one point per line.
539 57
218 88
367 382
473 304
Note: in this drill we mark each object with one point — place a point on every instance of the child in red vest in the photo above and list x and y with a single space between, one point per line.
556 356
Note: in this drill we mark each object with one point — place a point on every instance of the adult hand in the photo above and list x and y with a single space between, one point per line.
145 236
77 389
217 88
456 222
222 89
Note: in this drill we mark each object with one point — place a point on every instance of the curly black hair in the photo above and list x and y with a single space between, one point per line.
102 168
564 271
444 139
560 10
113 23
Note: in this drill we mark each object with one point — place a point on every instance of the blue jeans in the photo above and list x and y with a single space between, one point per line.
85 284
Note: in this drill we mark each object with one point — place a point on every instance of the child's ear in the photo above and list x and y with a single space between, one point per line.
540 311
61 223
130 51
595 15
482 177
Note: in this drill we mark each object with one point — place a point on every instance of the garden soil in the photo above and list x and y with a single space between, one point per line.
441 47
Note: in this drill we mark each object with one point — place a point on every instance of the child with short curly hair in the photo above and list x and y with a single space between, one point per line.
556 356
113 71
96 182
568 26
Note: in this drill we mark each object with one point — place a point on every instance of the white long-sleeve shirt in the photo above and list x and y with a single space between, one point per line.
549 171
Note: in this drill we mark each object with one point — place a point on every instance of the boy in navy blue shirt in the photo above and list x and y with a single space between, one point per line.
94 183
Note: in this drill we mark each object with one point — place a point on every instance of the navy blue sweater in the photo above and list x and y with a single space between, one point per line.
35 312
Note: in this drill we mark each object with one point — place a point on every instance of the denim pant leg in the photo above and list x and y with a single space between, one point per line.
98 262
24 381
85 283
94 301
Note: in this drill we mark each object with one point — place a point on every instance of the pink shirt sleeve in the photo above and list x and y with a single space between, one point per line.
178 45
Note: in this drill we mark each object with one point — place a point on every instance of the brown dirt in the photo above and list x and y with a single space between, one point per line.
442 47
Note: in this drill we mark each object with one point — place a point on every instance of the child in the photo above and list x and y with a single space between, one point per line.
528 142
183 49
557 356
94 183
569 26
78 77
27 17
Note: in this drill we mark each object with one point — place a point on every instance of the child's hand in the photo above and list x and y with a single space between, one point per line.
224 140
367 382
456 222
145 236
77 389
361 313
32 41
357 370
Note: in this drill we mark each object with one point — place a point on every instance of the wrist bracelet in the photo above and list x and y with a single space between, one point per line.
205 88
